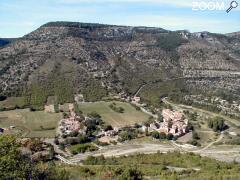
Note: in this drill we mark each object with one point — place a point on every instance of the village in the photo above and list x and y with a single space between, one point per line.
76 127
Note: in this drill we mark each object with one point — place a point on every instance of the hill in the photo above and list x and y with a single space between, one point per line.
62 58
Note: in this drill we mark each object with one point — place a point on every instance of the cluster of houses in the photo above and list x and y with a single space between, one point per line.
73 123
173 123
70 123
109 133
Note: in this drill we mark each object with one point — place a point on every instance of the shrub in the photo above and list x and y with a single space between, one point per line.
99 143
127 135
217 124
195 135
107 128
73 134
94 114
82 148
155 134
114 107
162 135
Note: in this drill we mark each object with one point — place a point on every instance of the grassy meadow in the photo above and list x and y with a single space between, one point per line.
30 124
130 115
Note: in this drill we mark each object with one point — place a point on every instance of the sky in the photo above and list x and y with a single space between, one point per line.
20 17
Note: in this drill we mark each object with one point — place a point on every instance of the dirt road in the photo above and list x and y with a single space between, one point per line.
126 149
227 154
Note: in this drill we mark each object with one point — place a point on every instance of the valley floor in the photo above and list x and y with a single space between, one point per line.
218 152
227 153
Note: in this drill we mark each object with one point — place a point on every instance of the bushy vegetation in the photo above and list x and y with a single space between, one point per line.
153 93
94 114
161 135
195 138
93 91
156 166
114 107
14 165
170 41
36 95
82 148
217 124
131 79
12 103
127 134
213 107
233 140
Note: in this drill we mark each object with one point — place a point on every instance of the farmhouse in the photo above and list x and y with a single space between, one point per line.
136 99
113 132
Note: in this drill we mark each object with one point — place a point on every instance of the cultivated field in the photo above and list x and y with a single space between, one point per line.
129 117
12 103
30 124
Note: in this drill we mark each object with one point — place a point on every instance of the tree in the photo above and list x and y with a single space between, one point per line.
15 165
82 139
190 126
195 135
56 141
127 135
169 136
77 110
94 114
131 174
74 134
162 135
56 108
217 124
155 134
12 164
193 116
107 128
160 118
149 121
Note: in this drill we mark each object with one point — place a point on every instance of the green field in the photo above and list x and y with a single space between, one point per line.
30 124
129 117
12 102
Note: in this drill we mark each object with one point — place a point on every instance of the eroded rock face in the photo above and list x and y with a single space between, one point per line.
119 55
